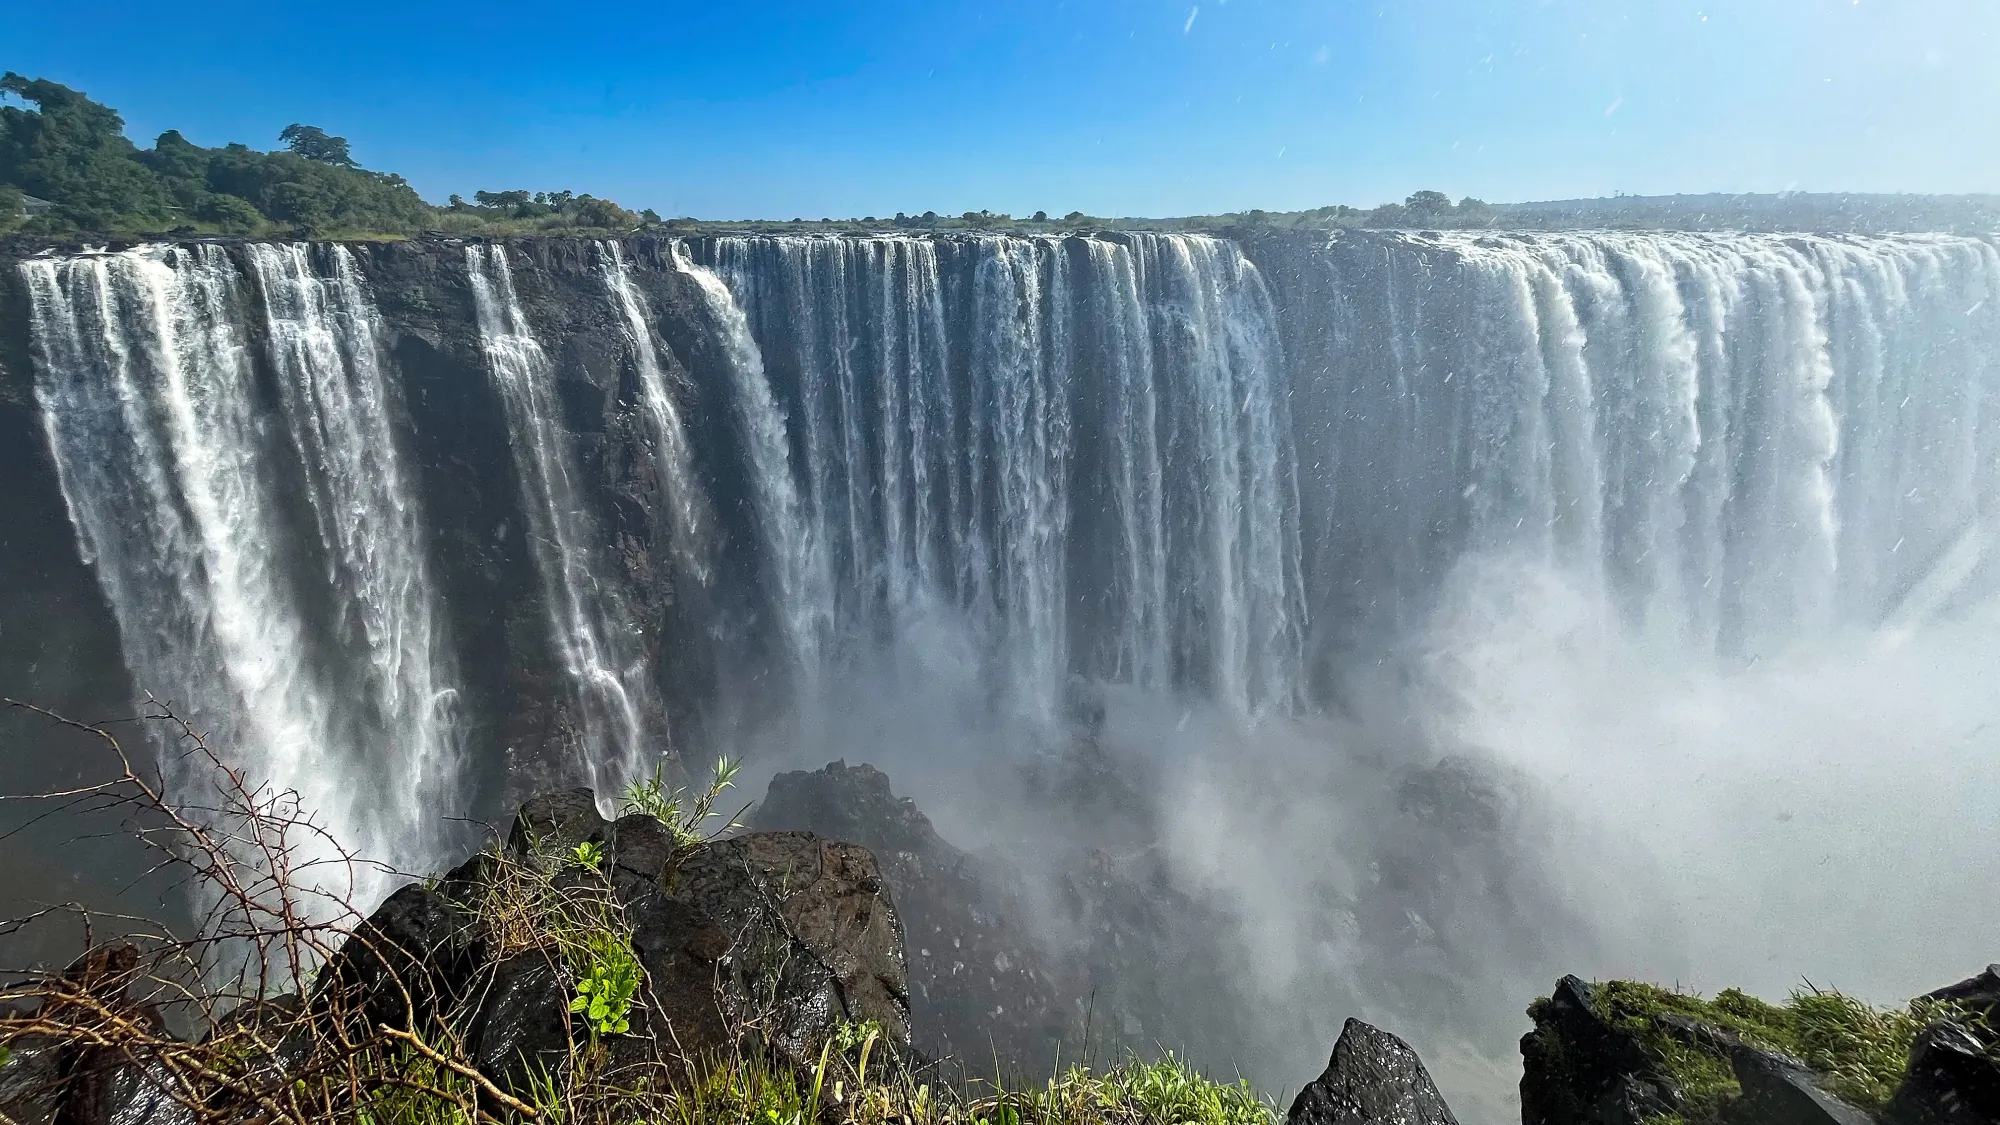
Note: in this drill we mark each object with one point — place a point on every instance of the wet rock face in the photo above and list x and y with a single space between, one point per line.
1783 1091
978 983
1578 1069
1954 1079
1954 1076
785 931
1374 1078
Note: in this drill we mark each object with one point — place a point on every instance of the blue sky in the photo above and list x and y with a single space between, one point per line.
1114 107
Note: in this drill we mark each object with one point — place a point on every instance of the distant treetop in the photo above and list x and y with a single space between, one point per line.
313 143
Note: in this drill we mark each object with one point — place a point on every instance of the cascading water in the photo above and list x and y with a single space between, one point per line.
591 627
933 390
343 416
801 588
149 394
685 519
1546 479
1741 438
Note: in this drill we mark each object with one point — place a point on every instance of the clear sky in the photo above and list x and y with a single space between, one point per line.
815 108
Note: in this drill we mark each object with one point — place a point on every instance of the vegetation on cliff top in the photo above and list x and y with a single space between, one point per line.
70 153
1860 1052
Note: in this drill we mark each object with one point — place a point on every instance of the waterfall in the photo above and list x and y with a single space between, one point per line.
673 458
801 586
934 389
176 486
591 627
344 416
1201 470
1742 439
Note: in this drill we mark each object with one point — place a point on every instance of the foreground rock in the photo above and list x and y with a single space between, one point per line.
1374 1078
769 941
1628 1054
1954 1076
1579 1069
1782 1091
42 1083
981 987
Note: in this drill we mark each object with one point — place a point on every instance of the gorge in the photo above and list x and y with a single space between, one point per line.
420 528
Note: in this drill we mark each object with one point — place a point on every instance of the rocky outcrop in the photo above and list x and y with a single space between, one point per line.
1783 1091
1580 1069
1626 1054
1374 1078
82 1083
978 980
1954 1079
769 941
1954 1076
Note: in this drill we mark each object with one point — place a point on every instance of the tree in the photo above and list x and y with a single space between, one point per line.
13 207
307 208
593 212
313 143
1428 203
232 214
73 152
1041 216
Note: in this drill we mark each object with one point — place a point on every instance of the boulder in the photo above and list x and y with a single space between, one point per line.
1778 1090
1979 995
556 822
523 1028
980 984
1954 1079
781 935
1579 1069
1374 1078
419 942
93 1085
104 1090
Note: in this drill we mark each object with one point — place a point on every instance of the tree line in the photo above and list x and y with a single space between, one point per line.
66 165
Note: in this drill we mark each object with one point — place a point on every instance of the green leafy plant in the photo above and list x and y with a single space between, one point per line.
608 981
686 817
588 854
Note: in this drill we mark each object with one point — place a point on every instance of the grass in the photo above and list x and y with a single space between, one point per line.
844 1089
1860 1052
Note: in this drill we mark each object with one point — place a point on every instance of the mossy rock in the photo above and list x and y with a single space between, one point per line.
1626 1051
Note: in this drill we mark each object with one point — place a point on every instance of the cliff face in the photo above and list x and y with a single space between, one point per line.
59 643
1186 465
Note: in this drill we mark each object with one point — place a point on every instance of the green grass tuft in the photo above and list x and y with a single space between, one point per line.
1860 1052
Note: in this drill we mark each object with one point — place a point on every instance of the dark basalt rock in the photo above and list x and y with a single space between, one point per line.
95 1085
1954 1079
1374 1078
524 1028
419 938
1578 1069
785 932
1979 995
30 1081
556 822
980 986
1783 1091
